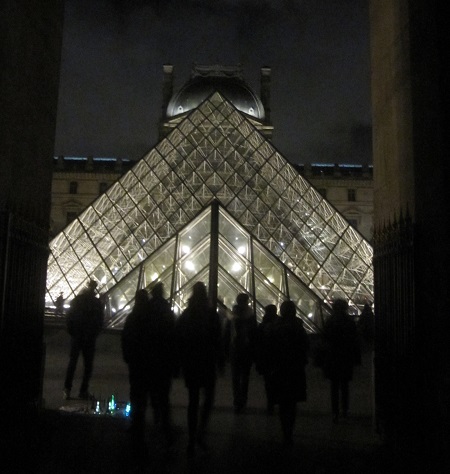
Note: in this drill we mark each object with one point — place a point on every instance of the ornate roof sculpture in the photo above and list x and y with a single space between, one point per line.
214 201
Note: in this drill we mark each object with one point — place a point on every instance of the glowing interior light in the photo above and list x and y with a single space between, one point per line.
241 249
310 315
154 276
103 280
189 265
271 279
185 249
236 267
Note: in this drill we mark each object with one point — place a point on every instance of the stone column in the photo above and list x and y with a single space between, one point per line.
29 83
410 84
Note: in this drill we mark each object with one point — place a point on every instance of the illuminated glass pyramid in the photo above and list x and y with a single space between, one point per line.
213 201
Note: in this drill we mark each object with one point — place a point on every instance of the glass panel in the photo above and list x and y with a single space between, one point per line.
259 209
141 169
117 264
97 232
194 233
234 234
307 303
88 218
192 263
56 280
265 293
102 204
329 237
59 245
234 264
228 289
82 246
73 231
123 293
158 263
129 180
268 266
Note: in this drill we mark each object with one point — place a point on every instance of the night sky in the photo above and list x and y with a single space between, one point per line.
114 50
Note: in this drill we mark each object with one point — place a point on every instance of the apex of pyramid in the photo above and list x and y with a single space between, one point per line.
229 81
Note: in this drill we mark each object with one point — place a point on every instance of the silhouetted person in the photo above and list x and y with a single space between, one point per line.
289 347
366 326
343 353
240 339
148 347
200 352
84 323
60 305
264 354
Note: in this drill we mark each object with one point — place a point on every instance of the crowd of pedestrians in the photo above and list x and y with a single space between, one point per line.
158 347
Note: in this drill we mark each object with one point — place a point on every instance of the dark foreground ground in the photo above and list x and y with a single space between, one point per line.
62 438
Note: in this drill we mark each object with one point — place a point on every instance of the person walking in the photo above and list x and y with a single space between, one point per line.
84 323
201 355
148 347
240 335
60 305
342 354
289 346
263 357
366 326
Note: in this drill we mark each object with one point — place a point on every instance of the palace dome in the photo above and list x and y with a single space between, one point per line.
205 81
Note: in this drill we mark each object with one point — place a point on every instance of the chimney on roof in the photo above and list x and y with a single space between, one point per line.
265 90
167 88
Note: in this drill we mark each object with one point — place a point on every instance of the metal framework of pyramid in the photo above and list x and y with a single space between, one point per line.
213 201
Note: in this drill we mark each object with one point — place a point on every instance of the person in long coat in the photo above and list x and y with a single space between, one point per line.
342 355
148 347
240 336
289 346
199 337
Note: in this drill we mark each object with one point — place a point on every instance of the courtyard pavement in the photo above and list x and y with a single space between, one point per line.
66 437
